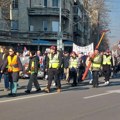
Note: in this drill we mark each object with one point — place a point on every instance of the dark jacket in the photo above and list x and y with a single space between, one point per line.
36 64
66 61
3 57
1 60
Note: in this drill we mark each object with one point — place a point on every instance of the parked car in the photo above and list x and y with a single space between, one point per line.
25 63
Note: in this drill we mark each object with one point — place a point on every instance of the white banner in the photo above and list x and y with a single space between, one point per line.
85 49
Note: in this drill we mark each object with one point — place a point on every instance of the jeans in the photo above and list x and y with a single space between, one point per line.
0 76
90 75
13 87
6 81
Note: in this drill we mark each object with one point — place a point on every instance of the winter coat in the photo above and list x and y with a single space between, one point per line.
34 60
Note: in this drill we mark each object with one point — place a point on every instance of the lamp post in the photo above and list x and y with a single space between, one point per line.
59 41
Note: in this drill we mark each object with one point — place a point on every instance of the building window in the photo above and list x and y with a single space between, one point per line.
45 25
55 26
45 3
15 4
55 3
14 25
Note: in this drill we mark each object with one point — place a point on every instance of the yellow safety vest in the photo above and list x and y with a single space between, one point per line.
32 67
73 63
106 60
96 63
12 64
53 62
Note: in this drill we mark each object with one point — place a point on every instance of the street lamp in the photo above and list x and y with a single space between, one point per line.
59 41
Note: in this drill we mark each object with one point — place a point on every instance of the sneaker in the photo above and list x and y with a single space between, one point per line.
107 82
59 90
46 90
54 84
90 82
46 77
6 89
74 84
12 94
38 90
27 91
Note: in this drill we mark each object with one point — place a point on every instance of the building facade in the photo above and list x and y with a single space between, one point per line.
37 23
82 27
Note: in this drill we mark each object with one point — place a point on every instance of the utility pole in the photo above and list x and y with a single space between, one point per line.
59 41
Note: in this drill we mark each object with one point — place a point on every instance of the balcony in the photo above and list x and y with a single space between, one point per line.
48 11
26 37
49 35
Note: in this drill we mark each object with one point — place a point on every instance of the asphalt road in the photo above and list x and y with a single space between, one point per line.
73 103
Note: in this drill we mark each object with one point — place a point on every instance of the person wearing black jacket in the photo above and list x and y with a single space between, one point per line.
107 64
33 70
53 66
3 57
66 59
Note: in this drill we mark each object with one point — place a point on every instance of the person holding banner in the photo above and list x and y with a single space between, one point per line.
96 66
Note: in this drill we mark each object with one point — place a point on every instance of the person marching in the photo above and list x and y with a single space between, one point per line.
73 68
33 70
14 66
66 58
53 65
90 77
107 64
3 57
95 67
81 66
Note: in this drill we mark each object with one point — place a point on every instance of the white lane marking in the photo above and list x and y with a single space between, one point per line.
98 95
107 93
114 91
28 97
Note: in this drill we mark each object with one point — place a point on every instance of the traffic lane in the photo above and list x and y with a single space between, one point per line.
104 107
21 95
65 106
87 90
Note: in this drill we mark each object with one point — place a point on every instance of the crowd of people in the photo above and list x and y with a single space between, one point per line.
58 65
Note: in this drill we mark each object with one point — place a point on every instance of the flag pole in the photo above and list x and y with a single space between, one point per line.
89 64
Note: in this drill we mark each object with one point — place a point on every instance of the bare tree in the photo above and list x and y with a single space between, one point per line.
98 13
